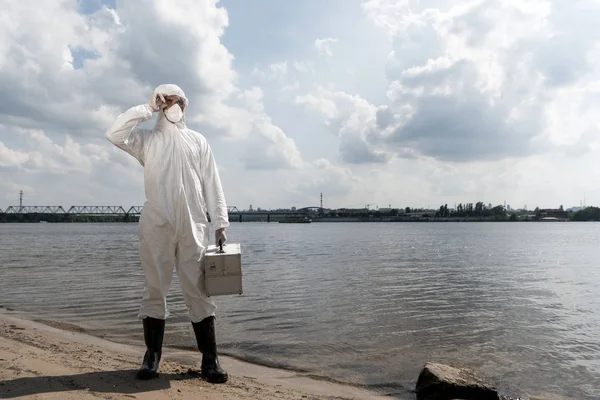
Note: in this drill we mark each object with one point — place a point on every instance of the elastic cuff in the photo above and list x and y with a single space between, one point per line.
144 313
148 110
196 319
220 224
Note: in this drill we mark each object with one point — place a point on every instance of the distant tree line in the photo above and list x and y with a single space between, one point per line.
475 211
587 214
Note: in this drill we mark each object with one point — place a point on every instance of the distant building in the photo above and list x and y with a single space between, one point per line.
422 214
351 211
552 214
251 209
385 210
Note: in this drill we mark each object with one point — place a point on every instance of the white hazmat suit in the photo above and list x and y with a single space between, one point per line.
181 184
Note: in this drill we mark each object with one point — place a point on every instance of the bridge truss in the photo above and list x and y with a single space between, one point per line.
35 210
97 210
85 210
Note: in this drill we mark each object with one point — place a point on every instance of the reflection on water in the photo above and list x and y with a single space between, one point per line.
368 303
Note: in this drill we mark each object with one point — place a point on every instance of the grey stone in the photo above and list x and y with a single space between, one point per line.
447 382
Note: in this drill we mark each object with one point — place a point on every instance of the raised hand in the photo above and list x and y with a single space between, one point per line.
157 102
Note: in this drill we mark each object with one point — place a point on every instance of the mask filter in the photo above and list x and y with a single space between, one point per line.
174 113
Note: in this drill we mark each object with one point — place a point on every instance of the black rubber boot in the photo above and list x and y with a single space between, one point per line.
207 344
154 331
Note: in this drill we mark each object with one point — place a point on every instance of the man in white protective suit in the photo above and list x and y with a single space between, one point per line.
182 184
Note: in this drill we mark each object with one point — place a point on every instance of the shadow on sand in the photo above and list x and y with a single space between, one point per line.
119 382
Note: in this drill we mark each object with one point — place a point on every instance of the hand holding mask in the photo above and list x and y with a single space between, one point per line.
157 102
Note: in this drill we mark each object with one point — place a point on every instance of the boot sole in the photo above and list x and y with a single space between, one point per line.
215 380
146 377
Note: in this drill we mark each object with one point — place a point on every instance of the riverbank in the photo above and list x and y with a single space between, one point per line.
39 359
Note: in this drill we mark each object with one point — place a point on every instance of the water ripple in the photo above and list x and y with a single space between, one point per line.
363 303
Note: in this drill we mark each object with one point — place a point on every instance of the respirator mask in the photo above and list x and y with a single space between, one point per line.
174 113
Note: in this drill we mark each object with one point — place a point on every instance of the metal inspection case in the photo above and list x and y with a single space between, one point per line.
223 270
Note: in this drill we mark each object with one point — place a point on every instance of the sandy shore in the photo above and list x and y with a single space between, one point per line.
38 361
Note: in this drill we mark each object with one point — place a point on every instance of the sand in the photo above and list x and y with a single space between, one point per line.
39 361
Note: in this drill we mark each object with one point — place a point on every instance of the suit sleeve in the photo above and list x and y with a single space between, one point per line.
213 190
124 134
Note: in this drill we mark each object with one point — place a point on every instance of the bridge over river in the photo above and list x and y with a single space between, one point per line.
235 215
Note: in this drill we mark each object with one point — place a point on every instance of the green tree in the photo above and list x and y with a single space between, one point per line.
479 207
499 213
587 214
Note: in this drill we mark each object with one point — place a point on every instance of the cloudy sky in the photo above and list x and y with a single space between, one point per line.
401 102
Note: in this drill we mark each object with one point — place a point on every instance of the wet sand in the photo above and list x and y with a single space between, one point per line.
56 361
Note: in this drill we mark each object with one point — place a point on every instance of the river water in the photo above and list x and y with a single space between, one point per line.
365 303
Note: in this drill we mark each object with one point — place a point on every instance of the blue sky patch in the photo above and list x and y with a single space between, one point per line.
80 55
91 6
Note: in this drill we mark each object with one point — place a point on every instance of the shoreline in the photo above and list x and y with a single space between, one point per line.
250 361
51 357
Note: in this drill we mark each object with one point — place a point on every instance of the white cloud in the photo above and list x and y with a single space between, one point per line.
275 71
281 72
270 148
305 66
477 100
353 119
40 154
468 81
12 158
61 172
321 176
323 46
266 145
291 88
